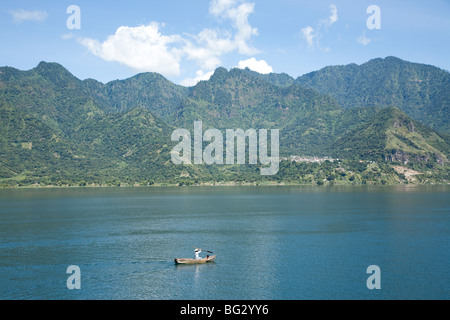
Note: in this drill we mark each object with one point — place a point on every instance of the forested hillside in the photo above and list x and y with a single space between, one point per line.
386 114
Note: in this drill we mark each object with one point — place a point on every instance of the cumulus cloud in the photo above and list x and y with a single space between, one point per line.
207 47
260 66
312 35
21 15
210 45
142 48
238 14
146 48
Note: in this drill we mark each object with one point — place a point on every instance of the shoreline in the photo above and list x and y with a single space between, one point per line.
227 184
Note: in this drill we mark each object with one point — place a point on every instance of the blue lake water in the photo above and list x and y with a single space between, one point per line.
272 243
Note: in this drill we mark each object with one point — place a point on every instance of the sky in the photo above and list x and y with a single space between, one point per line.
186 40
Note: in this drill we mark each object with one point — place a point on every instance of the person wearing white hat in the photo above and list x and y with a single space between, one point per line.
197 254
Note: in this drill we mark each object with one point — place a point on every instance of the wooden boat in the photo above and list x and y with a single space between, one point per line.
194 261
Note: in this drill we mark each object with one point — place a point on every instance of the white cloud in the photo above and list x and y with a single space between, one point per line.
209 45
260 66
334 15
363 39
142 48
146 48
21 15
201 76
218 7
238 15
312 35
308 35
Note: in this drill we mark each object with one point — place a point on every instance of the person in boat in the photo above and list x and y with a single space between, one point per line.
197 254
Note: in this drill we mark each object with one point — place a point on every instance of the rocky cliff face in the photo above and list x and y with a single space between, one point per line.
405 157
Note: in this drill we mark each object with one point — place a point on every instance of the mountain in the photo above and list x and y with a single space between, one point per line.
29 147
146 90
51 94
56 129
391 135
279 79
421 91
238 99
116 146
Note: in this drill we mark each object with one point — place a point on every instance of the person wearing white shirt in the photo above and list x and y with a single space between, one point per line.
197 254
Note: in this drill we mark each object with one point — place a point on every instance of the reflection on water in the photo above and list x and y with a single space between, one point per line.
272 242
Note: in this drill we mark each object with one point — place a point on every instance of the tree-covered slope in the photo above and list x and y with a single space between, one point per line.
146 90
57 130
422 91
391 135
30 148
237 99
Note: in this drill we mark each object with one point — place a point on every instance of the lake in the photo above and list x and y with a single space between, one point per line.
272 243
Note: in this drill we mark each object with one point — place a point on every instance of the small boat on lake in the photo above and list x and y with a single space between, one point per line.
195 261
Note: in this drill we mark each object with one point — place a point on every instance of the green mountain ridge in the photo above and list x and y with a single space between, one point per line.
147 90
236 99
422 91
59 130
391 135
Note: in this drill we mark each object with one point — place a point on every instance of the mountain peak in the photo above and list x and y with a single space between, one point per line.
394 118
418 89
50 66
55 72
392 58
149 77
220 75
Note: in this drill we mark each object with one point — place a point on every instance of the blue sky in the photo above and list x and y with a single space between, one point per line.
186 40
